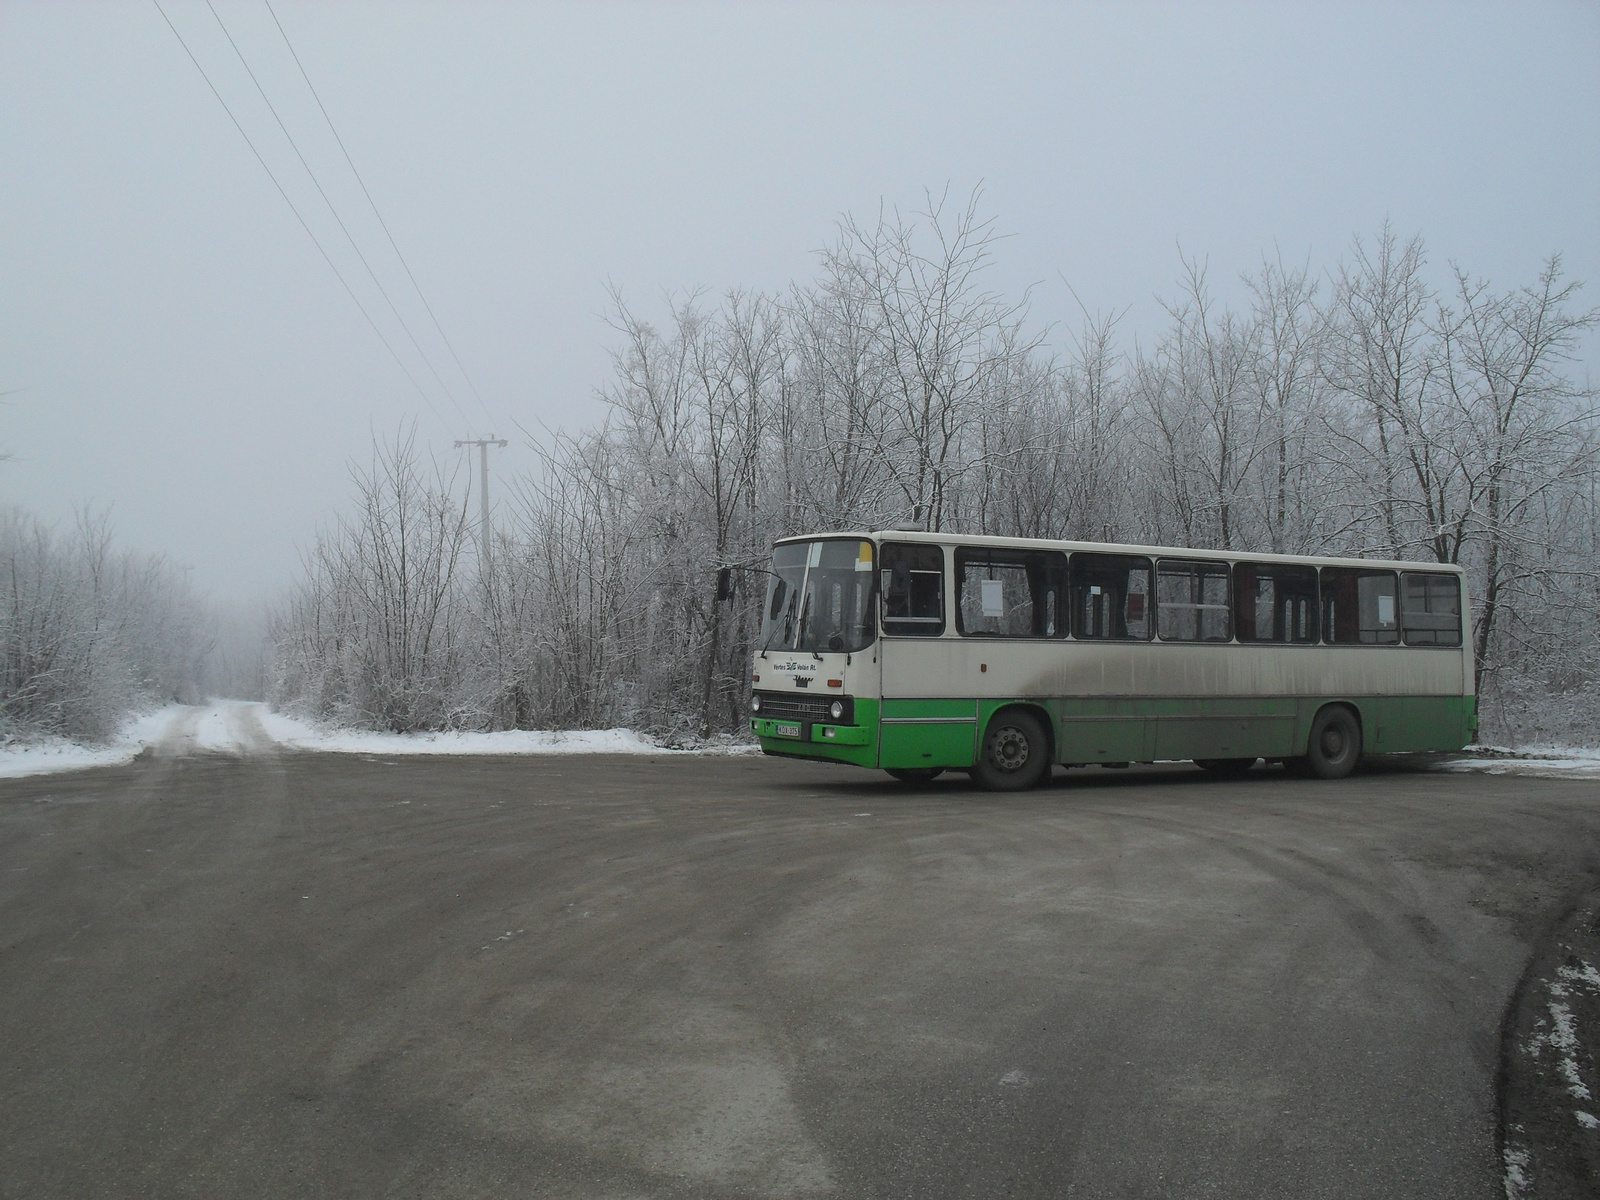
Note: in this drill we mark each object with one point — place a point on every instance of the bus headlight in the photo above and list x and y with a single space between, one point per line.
755 704
836 709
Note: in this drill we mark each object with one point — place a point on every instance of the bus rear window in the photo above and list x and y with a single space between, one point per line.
1111 597
1430 609
1359 607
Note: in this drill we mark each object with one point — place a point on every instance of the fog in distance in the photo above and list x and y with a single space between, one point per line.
173 345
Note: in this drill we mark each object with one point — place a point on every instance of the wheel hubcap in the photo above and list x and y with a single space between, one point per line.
1332 743
1010 749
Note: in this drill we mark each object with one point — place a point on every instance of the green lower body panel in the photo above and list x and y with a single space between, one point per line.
945 732
1145 729
1103 730
1412 723
927 733
1148 729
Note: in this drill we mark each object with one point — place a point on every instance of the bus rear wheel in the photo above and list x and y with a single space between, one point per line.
1335 743
915 776
1015 754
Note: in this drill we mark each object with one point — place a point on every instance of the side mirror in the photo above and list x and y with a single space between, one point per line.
724 584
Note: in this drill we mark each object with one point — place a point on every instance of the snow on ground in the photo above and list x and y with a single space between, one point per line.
57 754
1543 762
298 735
1549 1081
240 727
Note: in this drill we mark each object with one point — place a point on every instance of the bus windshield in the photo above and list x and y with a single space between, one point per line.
819 597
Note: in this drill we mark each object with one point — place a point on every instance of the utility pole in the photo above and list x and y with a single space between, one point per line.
483 445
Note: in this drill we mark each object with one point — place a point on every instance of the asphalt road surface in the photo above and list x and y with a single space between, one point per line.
335 975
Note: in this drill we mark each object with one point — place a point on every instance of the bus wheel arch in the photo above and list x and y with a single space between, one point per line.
1015 750
1334 743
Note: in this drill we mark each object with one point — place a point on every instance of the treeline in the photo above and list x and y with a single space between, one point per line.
90 633
1357 410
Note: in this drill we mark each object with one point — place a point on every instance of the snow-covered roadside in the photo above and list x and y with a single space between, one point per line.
57 754
1543 762
299 735
239 727
1550 1133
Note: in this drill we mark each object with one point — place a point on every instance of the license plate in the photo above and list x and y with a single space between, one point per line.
783 730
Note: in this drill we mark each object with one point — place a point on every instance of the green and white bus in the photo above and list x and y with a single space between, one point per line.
920 653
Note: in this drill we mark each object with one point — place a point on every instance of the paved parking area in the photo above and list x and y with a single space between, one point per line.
318 975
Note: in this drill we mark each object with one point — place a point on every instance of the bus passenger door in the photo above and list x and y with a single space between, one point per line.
920 724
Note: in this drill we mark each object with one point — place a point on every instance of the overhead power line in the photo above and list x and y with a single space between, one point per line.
374 204
334 212
332 266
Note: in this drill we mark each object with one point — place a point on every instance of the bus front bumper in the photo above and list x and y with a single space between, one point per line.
811 731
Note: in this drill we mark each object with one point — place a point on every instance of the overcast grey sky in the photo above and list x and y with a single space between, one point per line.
174 345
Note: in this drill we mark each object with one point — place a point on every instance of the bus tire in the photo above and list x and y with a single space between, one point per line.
1334 747
915 776
1015 754
1225 766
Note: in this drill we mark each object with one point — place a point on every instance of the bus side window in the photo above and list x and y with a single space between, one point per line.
911 583
1111 596
1359 608
1275 602
1009 593
1192 601
1430 610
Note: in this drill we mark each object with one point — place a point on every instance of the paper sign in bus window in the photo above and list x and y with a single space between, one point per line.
1385 610
994 601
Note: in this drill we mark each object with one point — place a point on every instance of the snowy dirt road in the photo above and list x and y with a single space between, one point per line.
277 974
224 727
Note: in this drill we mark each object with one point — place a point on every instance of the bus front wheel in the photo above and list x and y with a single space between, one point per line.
1015 755
1335 743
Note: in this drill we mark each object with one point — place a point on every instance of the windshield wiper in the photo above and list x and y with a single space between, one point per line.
805 618
777 624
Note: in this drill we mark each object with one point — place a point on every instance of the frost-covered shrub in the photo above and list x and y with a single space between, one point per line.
89 633
1369 410
373 634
